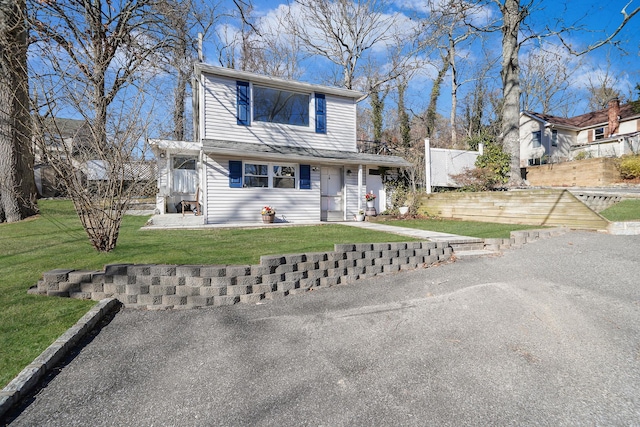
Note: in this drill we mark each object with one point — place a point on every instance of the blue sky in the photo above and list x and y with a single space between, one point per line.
592 21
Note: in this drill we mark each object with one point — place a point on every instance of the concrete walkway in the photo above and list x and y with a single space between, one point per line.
194 222
433 236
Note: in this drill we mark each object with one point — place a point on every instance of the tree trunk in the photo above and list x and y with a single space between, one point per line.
454 91
377 107
433 99
180 93
17 185
512 17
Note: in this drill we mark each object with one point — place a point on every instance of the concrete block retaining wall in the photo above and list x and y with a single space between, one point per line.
193 286
597 202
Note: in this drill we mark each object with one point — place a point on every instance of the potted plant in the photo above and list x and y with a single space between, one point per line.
370 198
360 215
268 214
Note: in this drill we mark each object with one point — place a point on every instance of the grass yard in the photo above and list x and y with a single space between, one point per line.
481 230
29 323
626 210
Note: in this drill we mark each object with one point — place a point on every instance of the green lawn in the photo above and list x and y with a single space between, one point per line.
29 324
465 228
627 210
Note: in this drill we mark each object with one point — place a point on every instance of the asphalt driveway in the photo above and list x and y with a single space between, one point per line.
544 335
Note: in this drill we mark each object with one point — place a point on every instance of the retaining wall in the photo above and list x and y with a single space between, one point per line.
600 172
551 207
194 286
597 201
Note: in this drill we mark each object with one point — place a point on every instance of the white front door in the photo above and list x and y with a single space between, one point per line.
331 194
374 184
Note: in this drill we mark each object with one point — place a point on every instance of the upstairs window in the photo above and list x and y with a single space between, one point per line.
280 106
536 138
599 133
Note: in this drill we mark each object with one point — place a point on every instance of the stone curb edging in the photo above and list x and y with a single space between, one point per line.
624 228
30 376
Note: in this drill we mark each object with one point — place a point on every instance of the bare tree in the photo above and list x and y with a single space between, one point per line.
451 17
346 31
17 187
181 22
260 44
602 84
545 81
97 53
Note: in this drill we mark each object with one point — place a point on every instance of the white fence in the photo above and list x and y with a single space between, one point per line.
441 163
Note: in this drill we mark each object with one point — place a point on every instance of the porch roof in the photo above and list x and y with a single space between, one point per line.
300 154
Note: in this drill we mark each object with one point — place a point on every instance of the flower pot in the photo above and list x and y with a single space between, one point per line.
371 203
360 217
268 218
403 210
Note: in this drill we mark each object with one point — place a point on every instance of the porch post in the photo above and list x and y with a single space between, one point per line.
359 187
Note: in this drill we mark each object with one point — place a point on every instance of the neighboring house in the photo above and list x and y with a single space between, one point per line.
59 138
69 141
610 132
267 141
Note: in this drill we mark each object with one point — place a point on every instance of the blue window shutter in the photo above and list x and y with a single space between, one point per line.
305 177
321 113
244 103
235 174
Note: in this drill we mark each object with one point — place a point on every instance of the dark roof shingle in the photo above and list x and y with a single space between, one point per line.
590 119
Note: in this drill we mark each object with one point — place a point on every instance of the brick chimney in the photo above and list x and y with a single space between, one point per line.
614 116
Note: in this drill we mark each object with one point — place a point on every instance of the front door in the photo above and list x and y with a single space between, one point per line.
331 194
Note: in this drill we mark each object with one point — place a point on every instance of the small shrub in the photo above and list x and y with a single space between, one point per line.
582 155
491 171
476 179
495 160
630 167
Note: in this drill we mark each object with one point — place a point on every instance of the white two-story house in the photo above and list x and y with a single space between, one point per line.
263 141
611 132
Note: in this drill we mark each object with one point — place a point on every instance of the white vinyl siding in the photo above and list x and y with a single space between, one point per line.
219 121
225 204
